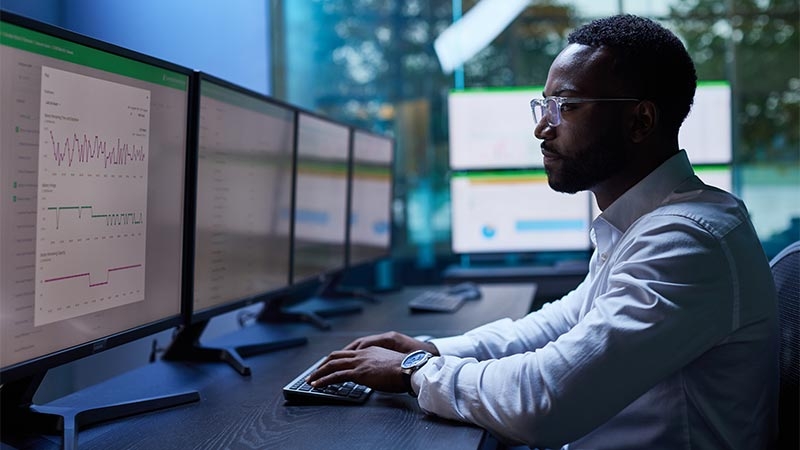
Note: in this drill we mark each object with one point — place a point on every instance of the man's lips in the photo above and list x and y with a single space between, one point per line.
549 154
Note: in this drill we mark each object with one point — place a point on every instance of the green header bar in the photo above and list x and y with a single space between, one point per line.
540 89
540 173
372 170
235 98
712 168
322 167
52 47
501 174
495 90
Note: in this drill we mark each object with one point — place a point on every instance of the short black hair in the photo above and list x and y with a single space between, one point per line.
649 58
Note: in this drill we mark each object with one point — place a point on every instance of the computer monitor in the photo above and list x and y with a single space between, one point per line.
371 197
717 175
492 128
515 211
321 183
319 231
707 132
94 144
243 194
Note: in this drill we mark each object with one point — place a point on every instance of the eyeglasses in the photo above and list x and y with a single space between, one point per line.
551 107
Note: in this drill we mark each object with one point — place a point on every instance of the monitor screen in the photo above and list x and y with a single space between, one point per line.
707 133
323 148
493 128
244 181
92 166
371 192
515 211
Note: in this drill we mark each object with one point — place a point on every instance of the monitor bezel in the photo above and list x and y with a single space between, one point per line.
350 264
191 316
42 363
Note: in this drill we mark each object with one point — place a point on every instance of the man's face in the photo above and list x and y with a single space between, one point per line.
589 146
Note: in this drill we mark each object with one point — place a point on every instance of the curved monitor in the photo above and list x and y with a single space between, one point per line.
94 143
320 204
242 240
371 195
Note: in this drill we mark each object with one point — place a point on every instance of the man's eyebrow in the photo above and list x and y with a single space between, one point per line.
561 92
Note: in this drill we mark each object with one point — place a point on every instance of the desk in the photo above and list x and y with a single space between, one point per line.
250 412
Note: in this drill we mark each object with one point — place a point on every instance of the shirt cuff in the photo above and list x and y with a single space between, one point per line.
416 379
455 346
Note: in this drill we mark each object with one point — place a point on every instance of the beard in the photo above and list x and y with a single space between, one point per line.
596 162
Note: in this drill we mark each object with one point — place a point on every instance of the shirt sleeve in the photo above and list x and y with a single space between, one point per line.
507 337
658 311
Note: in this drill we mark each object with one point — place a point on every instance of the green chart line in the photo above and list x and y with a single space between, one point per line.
112 219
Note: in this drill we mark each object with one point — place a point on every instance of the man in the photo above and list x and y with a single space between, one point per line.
670 342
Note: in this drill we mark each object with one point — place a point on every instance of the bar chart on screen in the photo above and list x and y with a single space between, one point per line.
91 195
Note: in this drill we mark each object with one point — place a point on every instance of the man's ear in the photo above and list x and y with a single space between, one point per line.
645 120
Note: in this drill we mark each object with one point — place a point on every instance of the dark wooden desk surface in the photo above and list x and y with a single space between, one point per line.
250 412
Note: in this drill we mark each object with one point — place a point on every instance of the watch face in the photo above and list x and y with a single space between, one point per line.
414 358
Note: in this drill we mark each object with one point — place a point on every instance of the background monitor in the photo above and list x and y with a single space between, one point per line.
370 226
493 128
719 175
707 133
241 249
244 186
321 180
94 142
515 211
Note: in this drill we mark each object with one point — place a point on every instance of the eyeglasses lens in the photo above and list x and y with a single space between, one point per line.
553 113
546 109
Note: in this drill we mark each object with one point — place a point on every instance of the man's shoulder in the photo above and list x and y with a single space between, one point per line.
712 209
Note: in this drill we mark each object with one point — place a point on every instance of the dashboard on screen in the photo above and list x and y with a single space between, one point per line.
493 128
515 211
320 208
244 186
94 145
370 198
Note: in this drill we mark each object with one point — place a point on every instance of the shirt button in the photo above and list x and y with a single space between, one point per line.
603 257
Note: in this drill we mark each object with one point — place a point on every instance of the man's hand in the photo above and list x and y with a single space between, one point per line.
376 367
393 341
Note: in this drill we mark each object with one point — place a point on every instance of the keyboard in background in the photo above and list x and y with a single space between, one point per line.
449 299
298 391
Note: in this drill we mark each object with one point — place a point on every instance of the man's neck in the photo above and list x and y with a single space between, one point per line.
608 191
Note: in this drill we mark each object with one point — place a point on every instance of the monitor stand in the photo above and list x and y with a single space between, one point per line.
20 412
326 301
186 347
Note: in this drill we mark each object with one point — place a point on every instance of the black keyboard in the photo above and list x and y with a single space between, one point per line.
301 392
436 301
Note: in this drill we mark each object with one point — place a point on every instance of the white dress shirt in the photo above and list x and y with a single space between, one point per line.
670 342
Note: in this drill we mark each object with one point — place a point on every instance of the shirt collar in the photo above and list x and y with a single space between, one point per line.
648 193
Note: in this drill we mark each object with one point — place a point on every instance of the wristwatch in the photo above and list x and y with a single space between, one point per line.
410 364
